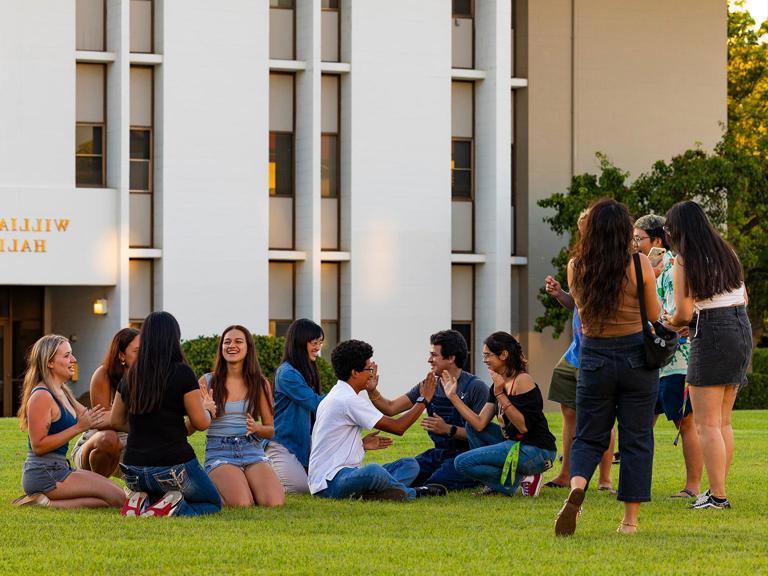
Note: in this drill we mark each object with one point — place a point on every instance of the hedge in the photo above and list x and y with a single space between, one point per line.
201 353
760 360
753 396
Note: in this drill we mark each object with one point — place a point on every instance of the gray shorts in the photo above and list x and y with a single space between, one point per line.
721 347
43 473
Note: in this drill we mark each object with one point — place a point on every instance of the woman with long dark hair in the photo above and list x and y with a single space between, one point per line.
100 450
52 417
709 281
613 382
234 456
524 446
159 464
297 394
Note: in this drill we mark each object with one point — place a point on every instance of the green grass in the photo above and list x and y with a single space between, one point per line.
455 535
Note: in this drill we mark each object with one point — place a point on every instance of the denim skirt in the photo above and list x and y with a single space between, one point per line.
240 451
721 347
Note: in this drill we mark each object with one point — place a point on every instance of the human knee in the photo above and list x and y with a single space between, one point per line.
238 500
107 442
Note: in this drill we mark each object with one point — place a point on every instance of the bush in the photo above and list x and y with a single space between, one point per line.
753 396
201 353
760 360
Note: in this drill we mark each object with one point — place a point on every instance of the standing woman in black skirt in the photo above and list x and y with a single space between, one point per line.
710 294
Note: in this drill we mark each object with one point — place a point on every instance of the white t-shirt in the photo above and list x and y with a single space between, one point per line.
336 441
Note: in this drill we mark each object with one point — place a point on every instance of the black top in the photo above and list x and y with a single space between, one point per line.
531 406
160 438
472 392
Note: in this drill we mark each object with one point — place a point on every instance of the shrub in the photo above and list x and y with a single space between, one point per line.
753 396
760 360
201 353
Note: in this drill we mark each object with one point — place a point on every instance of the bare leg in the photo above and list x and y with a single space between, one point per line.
707 404
606 462
232 484
726 426
85 489
265 485
629 522
101 453
569 430
694 461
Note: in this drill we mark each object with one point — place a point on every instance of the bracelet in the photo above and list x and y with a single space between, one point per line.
209 413
504 408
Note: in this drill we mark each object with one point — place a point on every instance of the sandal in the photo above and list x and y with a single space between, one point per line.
552 484
607 488
566 518
625 528
684 493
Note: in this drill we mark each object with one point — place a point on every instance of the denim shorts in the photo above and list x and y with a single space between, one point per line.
240 451
721 347
42 473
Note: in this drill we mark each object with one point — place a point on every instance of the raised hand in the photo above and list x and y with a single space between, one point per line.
373 379
450 385
251 425
552 287
373 441
92 418
436 425
428 386
208 402
499 384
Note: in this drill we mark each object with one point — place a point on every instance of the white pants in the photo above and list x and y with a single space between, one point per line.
288 468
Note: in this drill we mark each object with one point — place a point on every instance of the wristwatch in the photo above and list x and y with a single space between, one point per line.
422 400
452 433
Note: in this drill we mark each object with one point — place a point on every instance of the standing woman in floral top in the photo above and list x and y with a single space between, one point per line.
649 232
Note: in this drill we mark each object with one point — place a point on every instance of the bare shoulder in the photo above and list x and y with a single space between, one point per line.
524 383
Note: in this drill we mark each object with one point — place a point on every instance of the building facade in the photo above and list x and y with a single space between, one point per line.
374 166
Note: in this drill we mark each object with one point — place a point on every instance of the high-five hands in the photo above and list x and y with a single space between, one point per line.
428 387
373 441
373 379
450 385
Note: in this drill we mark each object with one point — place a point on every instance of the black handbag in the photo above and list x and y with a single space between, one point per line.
659 343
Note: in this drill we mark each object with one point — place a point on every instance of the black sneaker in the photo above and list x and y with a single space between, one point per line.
711 502
391 494
431 490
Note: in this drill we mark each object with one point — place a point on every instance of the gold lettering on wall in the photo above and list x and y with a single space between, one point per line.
20 245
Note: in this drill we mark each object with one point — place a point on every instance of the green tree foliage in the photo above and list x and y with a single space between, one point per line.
201 354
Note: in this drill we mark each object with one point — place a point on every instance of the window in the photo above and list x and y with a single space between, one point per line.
90 126
141 26
462 8
90 16
463 306
281 164
282 161
329 31
461 169
281 297
281 29
330 185
141 158
329 166
330 4
281 3
140 295
329 305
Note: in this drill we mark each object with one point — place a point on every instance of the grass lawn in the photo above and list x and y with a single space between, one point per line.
456 535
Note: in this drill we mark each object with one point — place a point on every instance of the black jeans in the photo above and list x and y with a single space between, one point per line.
614 384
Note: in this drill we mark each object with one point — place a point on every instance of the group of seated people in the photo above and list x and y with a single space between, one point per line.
263 441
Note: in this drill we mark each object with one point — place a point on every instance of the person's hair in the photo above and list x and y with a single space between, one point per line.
38 372
653 225
114 368
300 333
451 343
516 362
350 355
159 353
600 258
711 265
253 377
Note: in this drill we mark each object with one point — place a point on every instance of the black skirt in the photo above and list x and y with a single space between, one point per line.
721 347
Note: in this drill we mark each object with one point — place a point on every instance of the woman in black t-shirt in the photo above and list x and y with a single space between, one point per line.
159 391
528 448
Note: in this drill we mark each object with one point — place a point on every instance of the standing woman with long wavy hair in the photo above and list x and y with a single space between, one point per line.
297 395
234 455
613 382
159 466
52 417
709 281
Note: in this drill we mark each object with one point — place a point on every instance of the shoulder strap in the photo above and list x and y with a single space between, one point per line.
640 295
43 388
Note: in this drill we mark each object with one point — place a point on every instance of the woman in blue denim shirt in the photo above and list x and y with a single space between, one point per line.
234 456
151 403
297 395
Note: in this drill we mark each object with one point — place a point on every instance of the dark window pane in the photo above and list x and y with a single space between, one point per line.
87 139
281 3
88 171
280 327
465 329
462 8
280 164
140 144
329 166
332 4
462 154
461 184
139 175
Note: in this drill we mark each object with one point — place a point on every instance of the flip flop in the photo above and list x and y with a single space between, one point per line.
551 484
608 489
684 493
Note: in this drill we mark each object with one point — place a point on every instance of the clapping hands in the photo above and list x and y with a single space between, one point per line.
450 385
428 387
92 418
373 441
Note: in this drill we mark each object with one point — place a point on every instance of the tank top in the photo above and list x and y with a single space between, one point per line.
724 300
232 422
626 321
66 420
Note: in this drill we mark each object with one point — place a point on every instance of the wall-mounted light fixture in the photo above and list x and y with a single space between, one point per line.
100 307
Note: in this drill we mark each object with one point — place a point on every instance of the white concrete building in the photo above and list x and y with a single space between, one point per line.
371 165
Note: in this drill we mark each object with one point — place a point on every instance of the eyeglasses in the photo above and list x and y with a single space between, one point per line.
487 355
638 239
369 369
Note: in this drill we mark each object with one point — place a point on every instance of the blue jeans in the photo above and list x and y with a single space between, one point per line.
373 478
486 462
615 384
189 478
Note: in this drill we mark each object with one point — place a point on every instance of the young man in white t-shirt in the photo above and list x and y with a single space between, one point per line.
337 453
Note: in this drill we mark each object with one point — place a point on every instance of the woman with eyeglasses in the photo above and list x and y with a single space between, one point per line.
711 299
297 395
613 382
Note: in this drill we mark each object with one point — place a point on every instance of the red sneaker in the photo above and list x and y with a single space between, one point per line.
135 504
531 485
168 505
